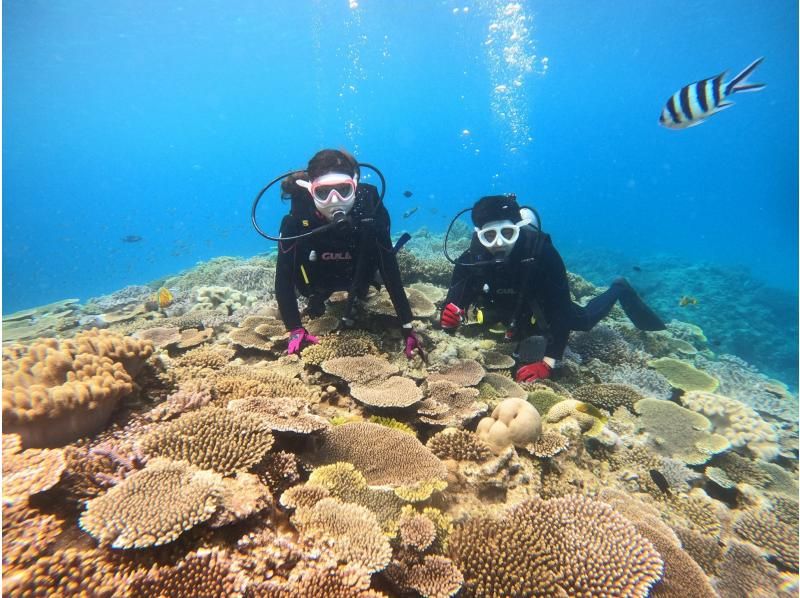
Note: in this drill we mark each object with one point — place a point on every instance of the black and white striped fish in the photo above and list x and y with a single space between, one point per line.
694 103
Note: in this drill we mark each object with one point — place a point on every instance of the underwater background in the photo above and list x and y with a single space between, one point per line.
161 121
159 440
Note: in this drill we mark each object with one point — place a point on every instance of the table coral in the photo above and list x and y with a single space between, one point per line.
496 387
29 472
281 414
359 370
465 372
745 572
684 375
344 344
678 432
433 576
393 392
447 404
570 546
212 438
27 534
153 506
764 529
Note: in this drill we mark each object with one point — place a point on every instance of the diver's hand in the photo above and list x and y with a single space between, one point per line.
413 343
452 316
533 371
297 337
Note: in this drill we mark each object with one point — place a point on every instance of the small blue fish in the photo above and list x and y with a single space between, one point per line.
695 102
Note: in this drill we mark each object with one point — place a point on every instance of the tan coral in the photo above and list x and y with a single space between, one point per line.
383 455
327 580
27 534
160 336
494 360
153 506
282 414
737 422
241 497
57 391
241 382
257 332
344 344
191 337
212 438
354 531
513 422
416 531
207 572
448 404
745 572
421 307
460 445
497 387
549 444
278 470
30 471
572 546
608 396
359 370
465 372
433 576
394 392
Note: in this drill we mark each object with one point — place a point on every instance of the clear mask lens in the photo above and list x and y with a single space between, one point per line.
324 193
500 234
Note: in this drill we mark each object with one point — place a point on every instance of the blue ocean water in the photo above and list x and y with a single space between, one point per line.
163 119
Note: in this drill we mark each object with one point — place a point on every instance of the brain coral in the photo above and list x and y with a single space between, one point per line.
678 432
737 422
684 375
212 438
571 546
153 506
385 456
513 421
57 391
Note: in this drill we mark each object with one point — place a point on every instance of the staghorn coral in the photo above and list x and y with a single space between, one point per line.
27 534
765 530
393 392
153 506
737 422
212 438
352 532
745 573
29 472
571 546
344 344
448 404
383 455
207 572
359 370
683 375
608 396
282 414
465 372
459 445
57 391
678 432
513 422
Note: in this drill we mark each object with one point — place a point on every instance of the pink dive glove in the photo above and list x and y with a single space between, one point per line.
297 337
413 343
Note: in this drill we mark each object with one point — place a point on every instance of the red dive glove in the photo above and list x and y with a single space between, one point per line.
452 316
297 337
533 371
413 342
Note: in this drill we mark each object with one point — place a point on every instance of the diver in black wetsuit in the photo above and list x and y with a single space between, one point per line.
343 257
514 275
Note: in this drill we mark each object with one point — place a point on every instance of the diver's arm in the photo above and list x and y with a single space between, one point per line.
284 275
553 285
390 271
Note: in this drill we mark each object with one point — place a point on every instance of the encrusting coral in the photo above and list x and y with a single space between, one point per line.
212 438
56 391
572 546
153 506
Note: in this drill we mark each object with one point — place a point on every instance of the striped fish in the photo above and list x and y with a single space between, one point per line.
694 103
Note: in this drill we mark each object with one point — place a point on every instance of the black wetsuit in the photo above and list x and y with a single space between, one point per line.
336 252
522 291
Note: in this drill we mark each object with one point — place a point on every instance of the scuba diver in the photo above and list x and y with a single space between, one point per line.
512 274
334 238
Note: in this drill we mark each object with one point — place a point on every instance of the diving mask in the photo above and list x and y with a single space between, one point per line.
500 235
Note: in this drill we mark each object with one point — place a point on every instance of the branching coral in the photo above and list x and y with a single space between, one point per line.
764 529
203 573
459 445
153 506
571 546
212 438
608 396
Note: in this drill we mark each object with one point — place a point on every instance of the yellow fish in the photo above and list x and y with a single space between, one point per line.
163 297
687 300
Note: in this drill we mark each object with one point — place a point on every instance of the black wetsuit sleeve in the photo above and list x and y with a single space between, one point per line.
463 288
553 294
285 273
389 269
